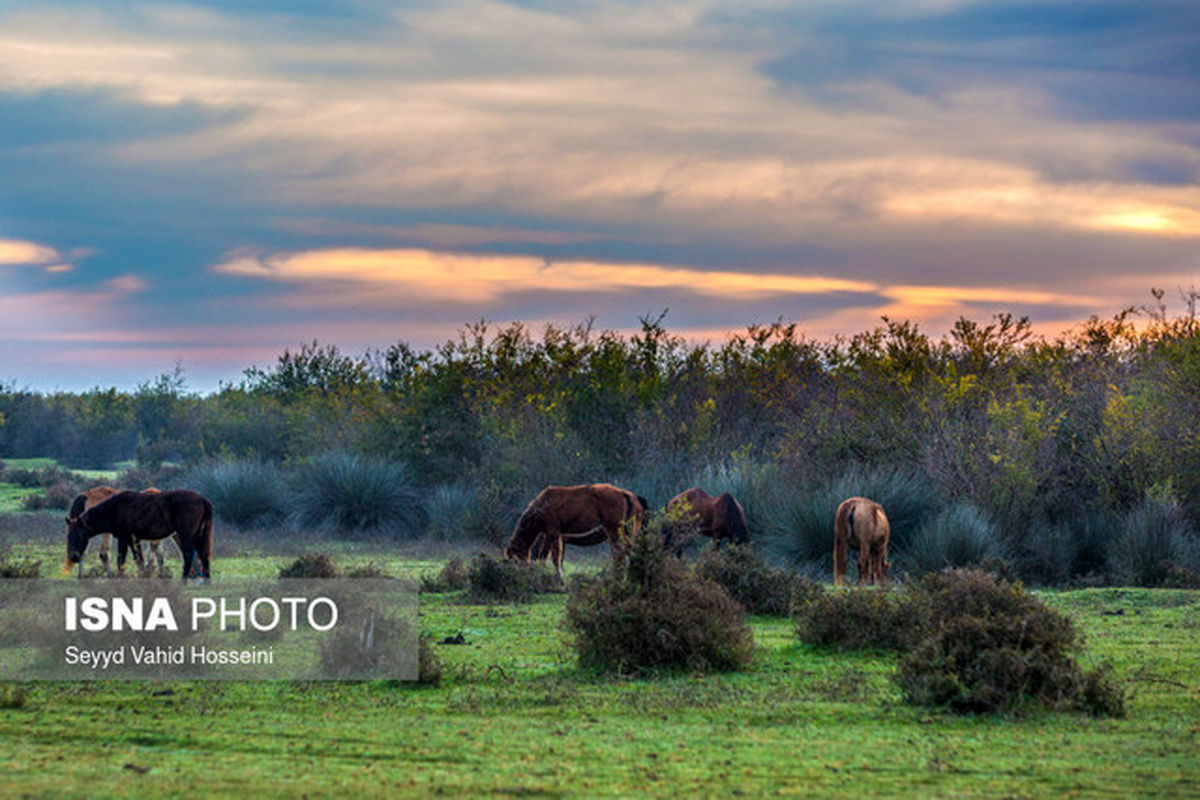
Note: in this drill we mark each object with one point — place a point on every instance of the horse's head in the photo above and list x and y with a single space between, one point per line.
77 538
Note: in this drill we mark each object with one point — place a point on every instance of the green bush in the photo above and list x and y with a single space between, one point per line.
501 580
760 588
959 536
1156 546
248 494
648 612
349 492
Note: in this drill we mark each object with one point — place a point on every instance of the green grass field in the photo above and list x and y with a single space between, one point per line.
514 717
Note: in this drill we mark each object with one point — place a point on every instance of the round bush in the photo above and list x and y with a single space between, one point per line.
648 612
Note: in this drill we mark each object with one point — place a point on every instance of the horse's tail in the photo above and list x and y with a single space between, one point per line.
843 526
735 518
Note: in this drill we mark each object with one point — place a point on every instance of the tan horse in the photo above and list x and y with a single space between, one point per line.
85 501
583 515
861 525
719 517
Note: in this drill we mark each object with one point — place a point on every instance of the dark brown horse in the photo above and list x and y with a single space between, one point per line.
83 502
134 516
719 517
583 515
861 525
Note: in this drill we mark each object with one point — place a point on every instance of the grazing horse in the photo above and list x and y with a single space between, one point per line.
861 525
583 515
85 501
133 516
719 517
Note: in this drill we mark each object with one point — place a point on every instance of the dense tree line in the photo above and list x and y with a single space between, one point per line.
1031 430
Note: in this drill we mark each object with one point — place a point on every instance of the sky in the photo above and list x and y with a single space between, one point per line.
203 185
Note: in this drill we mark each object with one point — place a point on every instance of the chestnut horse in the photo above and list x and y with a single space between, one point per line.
719 517
85 501
584 515
134 516
861 525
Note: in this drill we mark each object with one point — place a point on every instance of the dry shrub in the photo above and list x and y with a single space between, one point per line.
310 565
501 580
648 612
992 646
860 619
759 587
971 643
451 578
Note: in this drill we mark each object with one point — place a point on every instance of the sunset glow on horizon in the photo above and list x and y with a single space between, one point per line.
203 185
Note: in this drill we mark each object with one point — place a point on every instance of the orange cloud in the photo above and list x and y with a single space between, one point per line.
485 278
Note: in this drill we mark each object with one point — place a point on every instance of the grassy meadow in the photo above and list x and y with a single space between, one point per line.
514 716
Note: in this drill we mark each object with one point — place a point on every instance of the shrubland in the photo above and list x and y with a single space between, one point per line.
1069 460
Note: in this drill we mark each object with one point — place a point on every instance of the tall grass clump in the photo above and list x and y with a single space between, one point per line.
1156 546
454 512
248 494
349 492
648 612
797 520
960 535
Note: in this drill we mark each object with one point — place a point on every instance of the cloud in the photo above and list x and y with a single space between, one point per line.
477 278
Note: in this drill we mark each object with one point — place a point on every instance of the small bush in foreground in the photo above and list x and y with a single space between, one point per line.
19 567
760 588
310 565
861 618
451 578
993 646
501 580
648 612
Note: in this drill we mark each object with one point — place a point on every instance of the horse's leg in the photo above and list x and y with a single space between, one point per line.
136 545
188 550
105 542
556 552
156 548
864 565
